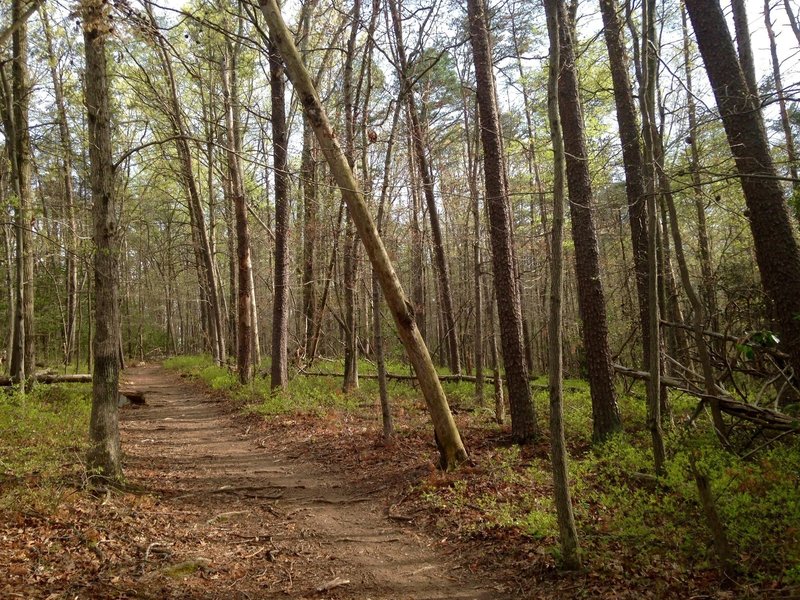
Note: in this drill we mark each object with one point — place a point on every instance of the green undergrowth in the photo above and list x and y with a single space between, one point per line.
627 519
629 522
42 443
312 395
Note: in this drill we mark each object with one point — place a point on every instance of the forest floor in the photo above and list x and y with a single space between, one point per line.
233 492
239 513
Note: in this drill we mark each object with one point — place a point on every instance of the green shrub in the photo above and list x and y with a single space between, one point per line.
43 437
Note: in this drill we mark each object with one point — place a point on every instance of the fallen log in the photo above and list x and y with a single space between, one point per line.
53 378
758 415
442 378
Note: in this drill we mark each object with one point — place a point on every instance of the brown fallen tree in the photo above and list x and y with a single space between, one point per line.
53 378
758 415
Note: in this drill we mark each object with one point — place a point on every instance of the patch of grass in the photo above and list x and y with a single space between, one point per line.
308 395
302 396
43 437
191 365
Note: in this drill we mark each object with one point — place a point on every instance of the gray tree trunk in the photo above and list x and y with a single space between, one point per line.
708 287
742 28
70 241
208 273
244 311
570 554
104 455
426 177
451 448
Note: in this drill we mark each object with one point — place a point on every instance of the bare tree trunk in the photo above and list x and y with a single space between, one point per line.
309 178
350 382
708 288
499 400
426 177
417 258
472 169
742 28
678 344
70 245
380 362
451 448
230 314
215 323
8 254
308 171
17 334
791 153
280 141
776 248
792 19
21 88
23 359
568 534
104 455
244 319
254 315
10 284
591 299
631 158
647 102
524 427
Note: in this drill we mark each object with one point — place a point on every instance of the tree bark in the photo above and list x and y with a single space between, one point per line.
244 319
418 241
380 361
21 96
497 378
649 71
631 158
308 172
570 553
792 19
708 287
17 332
70 245
472 169
524 427
350 381
451 448
776 248
426 177
208 276
104 457
791 153
591 299
742 29
10 283
280 141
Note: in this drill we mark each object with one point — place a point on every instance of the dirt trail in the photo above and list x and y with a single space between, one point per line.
245 522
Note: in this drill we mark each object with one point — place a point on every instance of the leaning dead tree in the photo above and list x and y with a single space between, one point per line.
451 448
